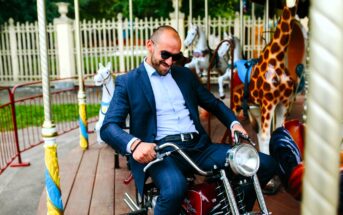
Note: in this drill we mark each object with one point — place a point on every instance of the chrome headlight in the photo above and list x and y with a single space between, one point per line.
244 160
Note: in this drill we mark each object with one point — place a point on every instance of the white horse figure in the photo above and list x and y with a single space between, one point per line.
104 78
201 52
237 55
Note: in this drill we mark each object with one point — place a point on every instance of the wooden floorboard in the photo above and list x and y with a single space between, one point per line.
80 196
103 193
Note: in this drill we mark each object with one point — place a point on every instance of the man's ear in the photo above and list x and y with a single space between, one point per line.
149 45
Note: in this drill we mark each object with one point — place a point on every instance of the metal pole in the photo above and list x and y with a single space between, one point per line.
177 14
49 132
325 112
81 94
266 13
131 33
190 12
206 18
241 18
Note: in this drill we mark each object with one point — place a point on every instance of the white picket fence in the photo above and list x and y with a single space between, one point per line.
103 41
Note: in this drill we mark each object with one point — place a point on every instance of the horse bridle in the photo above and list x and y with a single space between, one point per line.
103 82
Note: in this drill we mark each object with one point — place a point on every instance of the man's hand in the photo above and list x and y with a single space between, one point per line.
145 152
238 127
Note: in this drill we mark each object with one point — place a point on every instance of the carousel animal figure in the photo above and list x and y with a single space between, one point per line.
272 86
202 53
237 55
103 78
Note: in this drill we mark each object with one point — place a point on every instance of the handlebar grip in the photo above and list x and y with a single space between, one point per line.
157 148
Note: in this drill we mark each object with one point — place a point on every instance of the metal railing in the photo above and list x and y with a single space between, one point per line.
21 115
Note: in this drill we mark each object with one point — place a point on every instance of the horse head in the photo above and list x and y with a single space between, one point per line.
193 31
103 75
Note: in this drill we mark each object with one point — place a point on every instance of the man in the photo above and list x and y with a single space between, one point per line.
162 101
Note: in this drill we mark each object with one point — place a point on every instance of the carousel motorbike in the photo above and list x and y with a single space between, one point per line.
219 192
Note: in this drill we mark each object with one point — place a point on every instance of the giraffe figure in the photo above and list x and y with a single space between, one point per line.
272 85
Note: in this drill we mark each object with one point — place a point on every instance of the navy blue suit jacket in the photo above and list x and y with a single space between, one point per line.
133 96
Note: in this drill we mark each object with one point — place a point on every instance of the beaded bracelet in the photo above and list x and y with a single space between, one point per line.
134 149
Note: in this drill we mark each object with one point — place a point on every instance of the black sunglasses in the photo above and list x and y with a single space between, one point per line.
175 57
165 54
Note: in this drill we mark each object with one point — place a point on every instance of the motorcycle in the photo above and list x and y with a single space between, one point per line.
218 193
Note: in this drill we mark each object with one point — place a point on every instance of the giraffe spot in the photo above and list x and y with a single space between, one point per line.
275 48
280 56
266 54
260 94
282 87
259 60
266 87
265 102
286 72
268 116
284 40
264 110
269 107
264 66
276 93
277 33
285 27
275 81
262 119
288 92
252 85
290 83
281 98
282 65
269 96
255 93
272 62
256 72
259 82
286 15
278 71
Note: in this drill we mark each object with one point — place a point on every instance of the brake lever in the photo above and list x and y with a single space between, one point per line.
159 158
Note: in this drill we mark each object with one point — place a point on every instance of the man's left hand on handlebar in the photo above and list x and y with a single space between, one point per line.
237 127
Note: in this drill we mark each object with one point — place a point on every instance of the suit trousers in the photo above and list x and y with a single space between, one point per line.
169 175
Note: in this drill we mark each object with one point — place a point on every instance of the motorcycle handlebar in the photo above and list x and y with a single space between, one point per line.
239 135
160 157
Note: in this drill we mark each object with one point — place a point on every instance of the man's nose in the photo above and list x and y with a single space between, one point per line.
169 60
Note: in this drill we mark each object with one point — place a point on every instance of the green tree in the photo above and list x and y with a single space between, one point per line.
26 10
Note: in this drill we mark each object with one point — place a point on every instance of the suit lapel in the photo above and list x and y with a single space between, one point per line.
146 86
185 90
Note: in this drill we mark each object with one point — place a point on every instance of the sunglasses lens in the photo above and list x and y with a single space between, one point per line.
177 57
165 55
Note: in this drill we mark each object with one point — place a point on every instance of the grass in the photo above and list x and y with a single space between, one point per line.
33 115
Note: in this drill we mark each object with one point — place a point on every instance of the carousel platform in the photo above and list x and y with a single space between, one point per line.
91 184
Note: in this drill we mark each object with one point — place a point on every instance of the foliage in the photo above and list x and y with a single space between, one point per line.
33 115
22 11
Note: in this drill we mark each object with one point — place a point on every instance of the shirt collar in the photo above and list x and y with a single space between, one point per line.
151 70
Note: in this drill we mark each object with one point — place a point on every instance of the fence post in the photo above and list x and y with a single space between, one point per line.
121 42
65 42
237 26
179 24
13 48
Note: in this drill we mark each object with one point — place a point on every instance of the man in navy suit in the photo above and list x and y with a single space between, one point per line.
162 101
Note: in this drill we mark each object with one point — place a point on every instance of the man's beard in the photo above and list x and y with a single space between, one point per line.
156 64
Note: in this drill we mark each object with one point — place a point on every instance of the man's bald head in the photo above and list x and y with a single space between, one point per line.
162 30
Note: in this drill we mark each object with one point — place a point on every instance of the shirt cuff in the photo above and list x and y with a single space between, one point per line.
128 146
233 123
